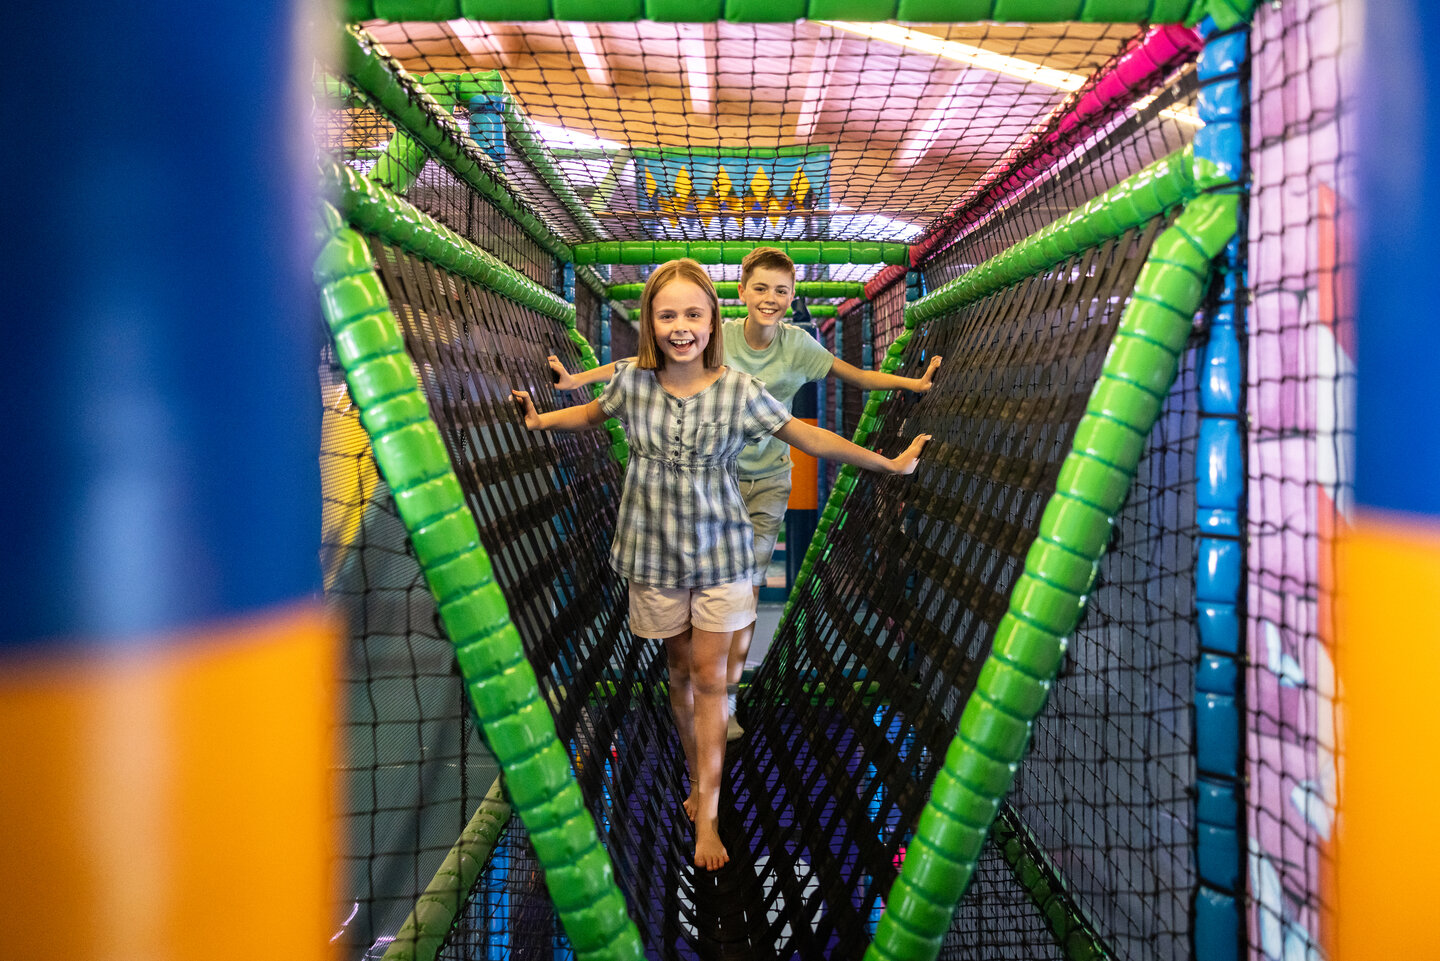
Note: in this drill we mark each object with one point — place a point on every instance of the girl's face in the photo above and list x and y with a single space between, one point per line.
681 317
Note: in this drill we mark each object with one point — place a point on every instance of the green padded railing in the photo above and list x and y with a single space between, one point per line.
728 311
1049 597
411 456
1042 882
730 289
422 126
734 251
375 210
1226 13
450 89
597 285
424 931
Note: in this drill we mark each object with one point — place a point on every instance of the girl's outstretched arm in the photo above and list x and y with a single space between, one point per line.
818 442
876 380
568 381
579 417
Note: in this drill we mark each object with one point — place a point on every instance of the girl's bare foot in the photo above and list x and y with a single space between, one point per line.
691 805
710 854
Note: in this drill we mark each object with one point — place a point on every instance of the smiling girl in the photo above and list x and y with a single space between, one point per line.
683 537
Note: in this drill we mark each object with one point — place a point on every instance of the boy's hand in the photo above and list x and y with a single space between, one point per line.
527 406
563 378
926 380
909 459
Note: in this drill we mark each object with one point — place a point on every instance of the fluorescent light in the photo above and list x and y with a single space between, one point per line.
813 98
915 146
962 53
1180 116
589 54
473 37
563 137
697 66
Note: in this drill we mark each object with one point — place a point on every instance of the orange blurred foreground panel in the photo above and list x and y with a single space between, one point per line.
173 800
1388 659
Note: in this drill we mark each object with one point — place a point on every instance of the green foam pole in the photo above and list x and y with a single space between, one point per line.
424 931
1048 598
417 116
375 210
501 685
1226 13
644 252
730 289
450 89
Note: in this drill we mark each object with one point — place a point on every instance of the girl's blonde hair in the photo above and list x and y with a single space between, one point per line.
649 356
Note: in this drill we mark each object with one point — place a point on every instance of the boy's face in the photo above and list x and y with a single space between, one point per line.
767 294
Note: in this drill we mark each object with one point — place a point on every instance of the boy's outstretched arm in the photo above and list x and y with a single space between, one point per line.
579 417
875 380
818 442
568 381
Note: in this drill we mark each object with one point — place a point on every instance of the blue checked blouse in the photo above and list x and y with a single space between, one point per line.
682 521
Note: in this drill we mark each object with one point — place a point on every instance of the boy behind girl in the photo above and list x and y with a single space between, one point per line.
784 358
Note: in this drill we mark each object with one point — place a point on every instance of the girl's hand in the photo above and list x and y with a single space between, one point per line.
927 379
527 406
563 378
909 459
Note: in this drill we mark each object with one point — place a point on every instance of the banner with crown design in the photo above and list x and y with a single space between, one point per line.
766 192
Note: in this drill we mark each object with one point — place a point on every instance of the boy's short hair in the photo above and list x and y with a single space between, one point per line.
648 355
772 258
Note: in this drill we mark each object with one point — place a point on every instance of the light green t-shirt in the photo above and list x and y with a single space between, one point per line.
792 360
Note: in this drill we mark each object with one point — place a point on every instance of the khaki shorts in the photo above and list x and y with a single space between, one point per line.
765 499
667 611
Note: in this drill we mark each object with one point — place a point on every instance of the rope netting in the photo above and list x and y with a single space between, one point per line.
558 134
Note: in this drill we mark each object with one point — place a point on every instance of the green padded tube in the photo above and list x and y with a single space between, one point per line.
734 251
450 89
417 116
1133 201
1049 596
1077 940
420 937
730 289
375 210
1226 13
500 683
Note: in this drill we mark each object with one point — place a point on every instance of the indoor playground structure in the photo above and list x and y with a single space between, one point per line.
1134 665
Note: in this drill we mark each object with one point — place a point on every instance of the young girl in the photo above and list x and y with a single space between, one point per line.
785 358
683 537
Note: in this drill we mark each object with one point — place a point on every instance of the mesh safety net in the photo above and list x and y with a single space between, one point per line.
634 131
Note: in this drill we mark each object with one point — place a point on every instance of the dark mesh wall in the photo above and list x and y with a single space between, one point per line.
897 620
1139 139
412 770
443 196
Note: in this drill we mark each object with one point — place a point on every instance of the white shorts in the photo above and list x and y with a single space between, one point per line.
667 611
765 500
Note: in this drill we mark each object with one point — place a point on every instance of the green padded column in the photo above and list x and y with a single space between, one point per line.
501 685
1048 598
375 210
420 937
417 115
450 89
1226 13
1133 201
730 289
640 252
